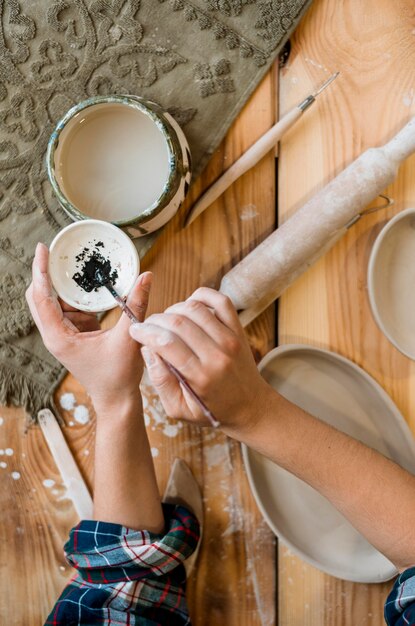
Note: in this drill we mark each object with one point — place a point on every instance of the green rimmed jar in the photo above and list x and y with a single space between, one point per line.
121 159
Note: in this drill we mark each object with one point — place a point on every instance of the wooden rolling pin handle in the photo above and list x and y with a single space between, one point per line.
403 144
254 154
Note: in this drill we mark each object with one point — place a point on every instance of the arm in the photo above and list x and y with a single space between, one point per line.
129 558
375 494
203 338
108 364
125 486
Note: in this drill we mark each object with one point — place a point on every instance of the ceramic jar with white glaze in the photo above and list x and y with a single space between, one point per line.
179 174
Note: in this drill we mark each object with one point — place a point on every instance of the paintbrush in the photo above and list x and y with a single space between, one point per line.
255 153
104 282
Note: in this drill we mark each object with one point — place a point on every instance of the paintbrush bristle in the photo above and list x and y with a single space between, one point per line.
105 282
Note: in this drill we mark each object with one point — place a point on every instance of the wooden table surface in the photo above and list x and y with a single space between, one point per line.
372 43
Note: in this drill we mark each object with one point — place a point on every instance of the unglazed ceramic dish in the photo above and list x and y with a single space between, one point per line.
116 246
337 391
391 281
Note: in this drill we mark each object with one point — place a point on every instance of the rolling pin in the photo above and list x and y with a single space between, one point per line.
261 277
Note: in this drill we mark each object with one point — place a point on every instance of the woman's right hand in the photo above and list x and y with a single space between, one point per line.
203 338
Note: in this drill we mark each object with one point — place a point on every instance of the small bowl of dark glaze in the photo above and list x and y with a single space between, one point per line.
81 248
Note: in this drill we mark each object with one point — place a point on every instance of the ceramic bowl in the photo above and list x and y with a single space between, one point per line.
391 281
343 395
117 247
177 181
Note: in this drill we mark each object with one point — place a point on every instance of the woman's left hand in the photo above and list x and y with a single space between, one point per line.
107 363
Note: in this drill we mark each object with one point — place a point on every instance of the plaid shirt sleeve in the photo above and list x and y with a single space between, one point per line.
400 605
127 576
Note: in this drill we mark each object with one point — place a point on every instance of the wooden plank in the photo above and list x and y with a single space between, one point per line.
373 46
234 581
35 519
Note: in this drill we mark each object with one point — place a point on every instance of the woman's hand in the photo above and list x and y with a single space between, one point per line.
106 362
203 338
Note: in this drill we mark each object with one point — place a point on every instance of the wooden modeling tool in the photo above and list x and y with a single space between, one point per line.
182 488
255 153
208 414
77 490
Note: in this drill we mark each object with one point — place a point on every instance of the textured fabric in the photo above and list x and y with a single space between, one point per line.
400 605
199 59
126 576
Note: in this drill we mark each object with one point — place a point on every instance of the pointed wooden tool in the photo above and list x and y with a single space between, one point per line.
254 154
182 488
77 490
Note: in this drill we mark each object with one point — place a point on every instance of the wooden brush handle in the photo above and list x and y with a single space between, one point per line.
264 274
254 154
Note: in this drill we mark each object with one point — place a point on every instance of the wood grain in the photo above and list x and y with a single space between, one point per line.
234 581
373 46
34 524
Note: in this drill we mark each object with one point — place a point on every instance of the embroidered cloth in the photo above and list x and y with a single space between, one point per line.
199 59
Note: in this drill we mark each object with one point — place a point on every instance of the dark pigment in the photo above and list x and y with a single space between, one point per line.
94 270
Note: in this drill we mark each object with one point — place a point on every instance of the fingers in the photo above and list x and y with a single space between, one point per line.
205 318
190 333
221 305
43 303
140 295
175 399
168 345
165 383
137 300
194 334
81 320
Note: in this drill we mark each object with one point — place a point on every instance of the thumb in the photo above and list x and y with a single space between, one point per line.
137 300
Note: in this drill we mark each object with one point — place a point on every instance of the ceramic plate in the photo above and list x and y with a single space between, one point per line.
343 395
116 246
391 281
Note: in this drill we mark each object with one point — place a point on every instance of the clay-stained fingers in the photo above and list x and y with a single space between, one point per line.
176 400
205 318
221 305
164 382
193 335
169 346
